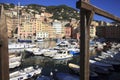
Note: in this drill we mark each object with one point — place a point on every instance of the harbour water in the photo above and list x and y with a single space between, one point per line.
48 65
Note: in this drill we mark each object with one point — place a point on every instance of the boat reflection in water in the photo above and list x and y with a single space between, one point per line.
48 64
62 61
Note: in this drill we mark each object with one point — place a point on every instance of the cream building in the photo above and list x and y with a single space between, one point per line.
93 26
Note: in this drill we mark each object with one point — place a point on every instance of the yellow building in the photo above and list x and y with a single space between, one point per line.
25 27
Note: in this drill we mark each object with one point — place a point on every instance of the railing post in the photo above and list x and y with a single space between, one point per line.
85 21
4 64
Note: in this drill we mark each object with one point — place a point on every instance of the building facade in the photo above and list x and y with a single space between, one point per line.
93 26
68 31
43 35
9 27
109 32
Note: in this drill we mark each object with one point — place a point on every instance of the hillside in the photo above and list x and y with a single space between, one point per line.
61 12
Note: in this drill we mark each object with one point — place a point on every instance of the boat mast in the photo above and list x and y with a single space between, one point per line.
18 15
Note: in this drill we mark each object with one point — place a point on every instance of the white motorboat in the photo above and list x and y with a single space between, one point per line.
14 64
74 51
20 45
35 51
24 73
74 67
17 47
15 58
63 44
12 55
39 40
62 55
50 52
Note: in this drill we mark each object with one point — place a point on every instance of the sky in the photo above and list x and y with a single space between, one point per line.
111 6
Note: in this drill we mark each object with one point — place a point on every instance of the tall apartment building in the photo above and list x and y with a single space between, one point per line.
33 27
41 30
12 22
51 31
26 27
58 27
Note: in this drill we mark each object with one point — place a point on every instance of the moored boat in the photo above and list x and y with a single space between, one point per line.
14 64
102 65
76 69
24 73
62 55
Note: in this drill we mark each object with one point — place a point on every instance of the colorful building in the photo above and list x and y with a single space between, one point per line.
68 31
